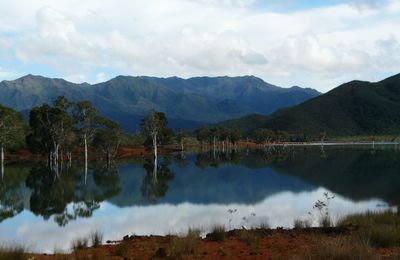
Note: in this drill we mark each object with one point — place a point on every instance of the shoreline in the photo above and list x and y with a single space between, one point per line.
257 243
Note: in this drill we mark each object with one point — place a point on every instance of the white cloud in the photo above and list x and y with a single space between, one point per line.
327 45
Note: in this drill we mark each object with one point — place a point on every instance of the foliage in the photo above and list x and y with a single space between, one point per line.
154 126
12 127
108 138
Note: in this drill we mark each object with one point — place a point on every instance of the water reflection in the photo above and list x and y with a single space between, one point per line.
278 184
155 182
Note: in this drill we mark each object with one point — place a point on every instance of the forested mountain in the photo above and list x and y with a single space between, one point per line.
187 102
354 108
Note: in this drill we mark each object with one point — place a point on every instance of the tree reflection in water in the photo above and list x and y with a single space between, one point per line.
67 196
155 182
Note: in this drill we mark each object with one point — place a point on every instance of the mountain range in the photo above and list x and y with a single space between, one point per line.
187 102
353 108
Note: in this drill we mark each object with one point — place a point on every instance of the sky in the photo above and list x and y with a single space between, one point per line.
318 44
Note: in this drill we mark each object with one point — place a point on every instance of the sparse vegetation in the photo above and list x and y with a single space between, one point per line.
302 223
122 249
79 243
343 247
252 239
13 252
218 233
96 238
186 245
379 229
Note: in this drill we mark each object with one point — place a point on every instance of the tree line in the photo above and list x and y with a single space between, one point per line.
65 127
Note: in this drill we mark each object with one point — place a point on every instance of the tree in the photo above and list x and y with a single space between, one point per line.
264 136
87 121
108 138
50 127
234 137
11 130
181 136
202 134
153 125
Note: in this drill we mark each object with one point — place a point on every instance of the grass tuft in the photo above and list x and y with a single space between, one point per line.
300 224
218 233
252 239
347 247
379 229
12 252
180 247
79 243
96 238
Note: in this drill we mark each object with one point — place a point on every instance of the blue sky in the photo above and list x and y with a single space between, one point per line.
318 44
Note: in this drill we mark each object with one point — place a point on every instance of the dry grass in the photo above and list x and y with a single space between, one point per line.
180 247
378 229
218 233
343 247
13 252
252 239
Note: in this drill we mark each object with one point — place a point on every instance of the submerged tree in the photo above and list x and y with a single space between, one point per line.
153 126
108 138
181 136
87 121
50 128
11 130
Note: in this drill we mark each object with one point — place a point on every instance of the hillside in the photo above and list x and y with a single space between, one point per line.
187 102
354 108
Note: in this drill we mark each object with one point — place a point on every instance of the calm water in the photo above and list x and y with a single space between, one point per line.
47 212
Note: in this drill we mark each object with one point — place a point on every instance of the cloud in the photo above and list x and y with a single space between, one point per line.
318 47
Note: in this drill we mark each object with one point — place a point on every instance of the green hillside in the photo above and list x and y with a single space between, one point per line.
354 108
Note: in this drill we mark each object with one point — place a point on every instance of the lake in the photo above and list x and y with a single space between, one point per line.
238 189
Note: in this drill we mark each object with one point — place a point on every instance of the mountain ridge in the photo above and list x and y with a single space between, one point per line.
194 101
